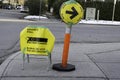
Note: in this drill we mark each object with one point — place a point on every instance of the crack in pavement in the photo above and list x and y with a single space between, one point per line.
103 52
98 67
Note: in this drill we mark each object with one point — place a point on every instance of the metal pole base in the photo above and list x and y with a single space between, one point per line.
58 67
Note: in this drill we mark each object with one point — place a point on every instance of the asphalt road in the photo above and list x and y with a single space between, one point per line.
11 14
81 33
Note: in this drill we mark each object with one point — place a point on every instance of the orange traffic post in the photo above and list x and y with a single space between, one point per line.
64 66
71 12
66 50
66 46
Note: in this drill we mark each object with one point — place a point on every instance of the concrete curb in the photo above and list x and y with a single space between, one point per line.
5 64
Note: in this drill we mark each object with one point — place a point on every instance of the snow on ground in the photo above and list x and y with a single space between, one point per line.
34 17
100 22
30 17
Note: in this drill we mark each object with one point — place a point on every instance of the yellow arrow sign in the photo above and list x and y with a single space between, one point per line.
71 12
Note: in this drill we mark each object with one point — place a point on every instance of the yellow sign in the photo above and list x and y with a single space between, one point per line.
36 40
71 12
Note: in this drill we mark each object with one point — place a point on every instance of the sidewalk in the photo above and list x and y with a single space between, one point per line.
92 62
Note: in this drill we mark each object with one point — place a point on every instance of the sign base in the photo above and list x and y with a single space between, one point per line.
58 67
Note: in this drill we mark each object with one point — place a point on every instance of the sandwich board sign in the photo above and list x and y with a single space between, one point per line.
36 40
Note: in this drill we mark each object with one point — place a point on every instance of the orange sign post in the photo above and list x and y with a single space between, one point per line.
65 50
71 13
64 66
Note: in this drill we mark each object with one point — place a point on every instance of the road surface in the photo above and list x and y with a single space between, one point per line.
81 33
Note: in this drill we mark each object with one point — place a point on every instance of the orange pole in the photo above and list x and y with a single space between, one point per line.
64 66
66 48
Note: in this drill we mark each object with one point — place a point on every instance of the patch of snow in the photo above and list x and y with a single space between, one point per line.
100 22
34 17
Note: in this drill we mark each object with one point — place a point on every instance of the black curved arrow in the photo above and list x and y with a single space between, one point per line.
73 13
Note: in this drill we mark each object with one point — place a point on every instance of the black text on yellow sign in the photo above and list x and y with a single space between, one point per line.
36 40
